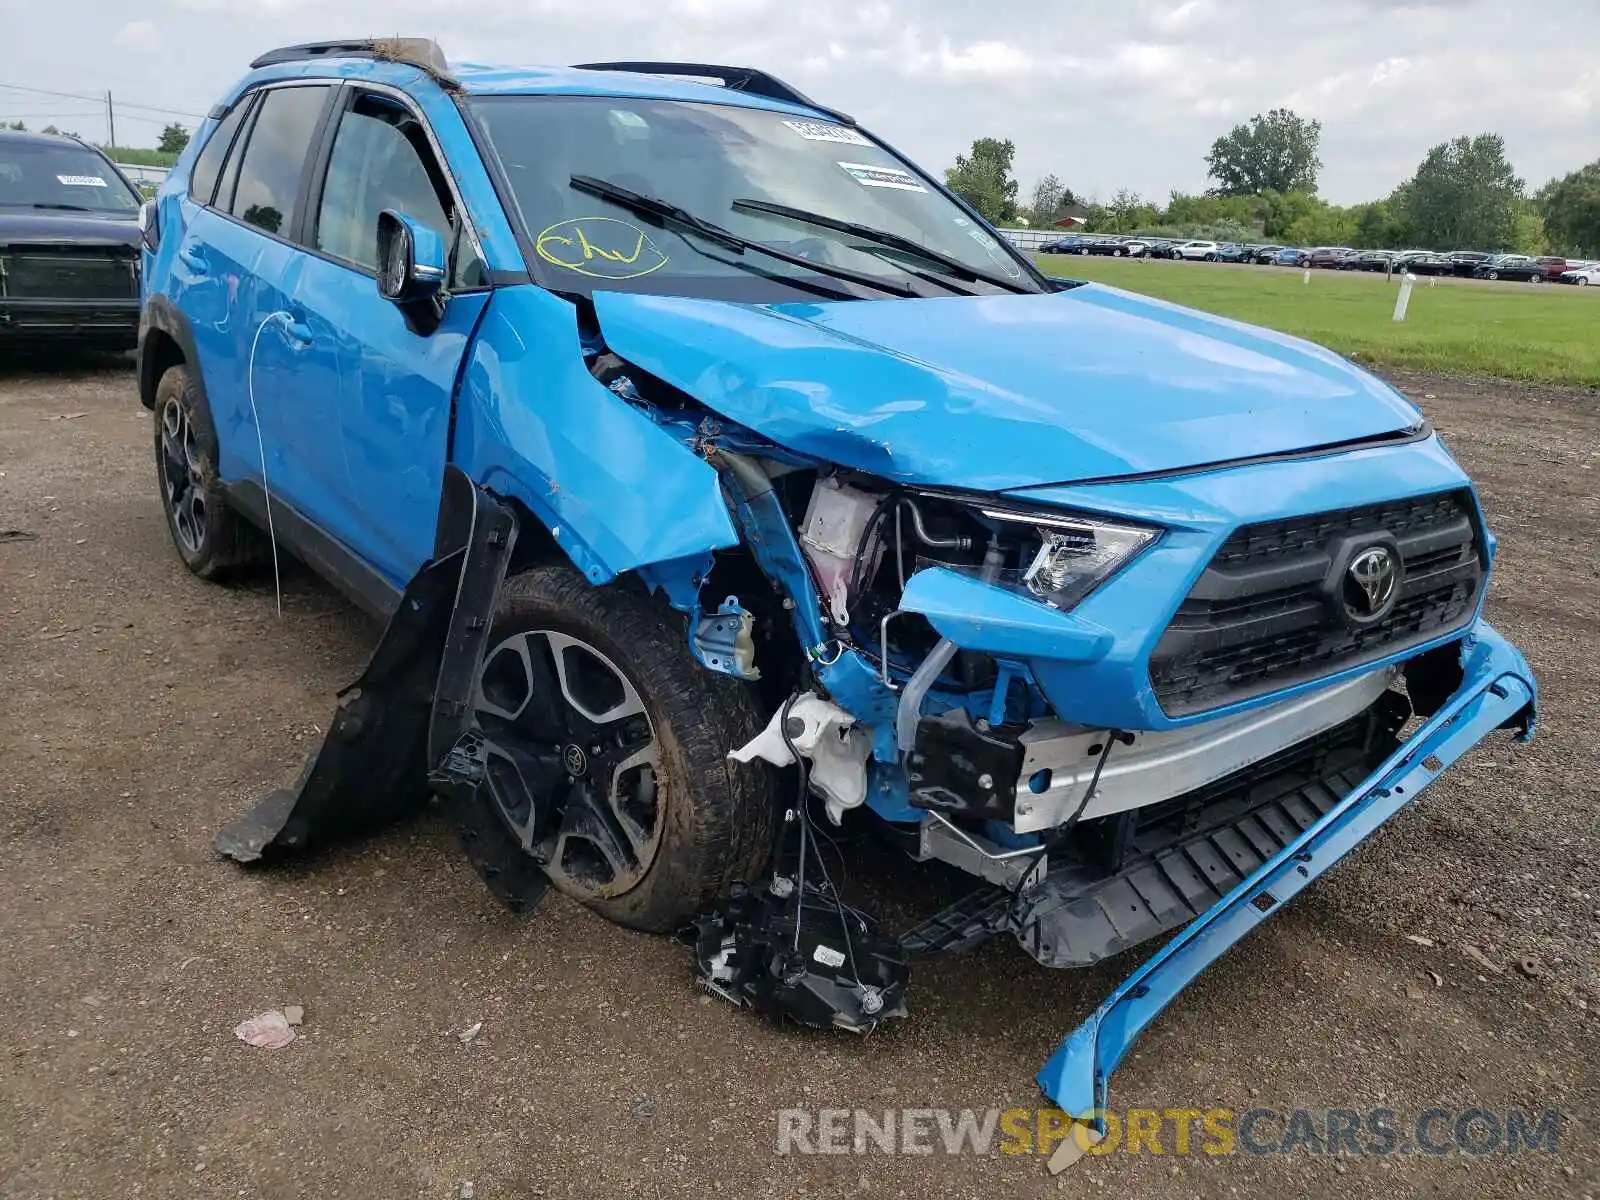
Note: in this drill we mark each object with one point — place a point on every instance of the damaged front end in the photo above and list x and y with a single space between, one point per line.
1123 710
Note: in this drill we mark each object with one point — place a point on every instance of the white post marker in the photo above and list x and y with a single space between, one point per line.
1306 278
1404 298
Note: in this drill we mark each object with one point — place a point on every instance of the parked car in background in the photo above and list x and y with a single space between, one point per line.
1464 262
69 245
1553 265
1369 260
1327 256
1232 252
1161 247
1117 247
1262 255
1511 266
1206 251
1426 263
1582 276
1289 256
1062 245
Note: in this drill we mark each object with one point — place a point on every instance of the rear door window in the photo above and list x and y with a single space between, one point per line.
207 168
267 192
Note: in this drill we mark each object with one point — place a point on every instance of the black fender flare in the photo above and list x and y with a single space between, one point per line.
160 318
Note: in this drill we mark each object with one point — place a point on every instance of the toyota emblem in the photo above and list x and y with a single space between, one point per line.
1371 582
575 760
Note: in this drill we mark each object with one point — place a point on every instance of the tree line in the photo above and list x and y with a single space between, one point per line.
1464 195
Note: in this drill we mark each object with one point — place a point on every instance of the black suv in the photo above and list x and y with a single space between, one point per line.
69 245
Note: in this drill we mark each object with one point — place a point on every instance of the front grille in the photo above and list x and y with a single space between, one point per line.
68 273
1261 616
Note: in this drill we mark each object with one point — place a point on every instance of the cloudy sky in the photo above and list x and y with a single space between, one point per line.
1105 93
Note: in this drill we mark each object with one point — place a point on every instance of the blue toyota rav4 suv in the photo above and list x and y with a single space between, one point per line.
681 429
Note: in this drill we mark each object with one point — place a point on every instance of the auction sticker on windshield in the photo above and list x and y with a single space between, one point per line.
821 131
885 177
81 180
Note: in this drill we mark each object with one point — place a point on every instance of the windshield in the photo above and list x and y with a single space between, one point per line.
60 176
703 159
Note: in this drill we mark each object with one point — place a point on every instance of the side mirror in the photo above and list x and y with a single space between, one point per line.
150 226
411 259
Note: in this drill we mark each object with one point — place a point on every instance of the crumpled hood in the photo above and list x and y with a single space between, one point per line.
1000 392
57 227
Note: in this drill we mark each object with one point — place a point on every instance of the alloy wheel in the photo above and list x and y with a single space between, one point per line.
573 761
182 483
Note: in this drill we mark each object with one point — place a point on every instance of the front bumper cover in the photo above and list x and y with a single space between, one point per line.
1497 691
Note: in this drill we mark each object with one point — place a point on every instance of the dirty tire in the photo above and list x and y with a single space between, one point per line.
228 544
720 816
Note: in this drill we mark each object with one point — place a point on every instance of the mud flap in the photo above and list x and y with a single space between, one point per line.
402 729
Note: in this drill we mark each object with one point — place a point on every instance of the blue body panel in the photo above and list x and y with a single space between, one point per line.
370 406
1000 392
616 489
976 616
1497 691
228 278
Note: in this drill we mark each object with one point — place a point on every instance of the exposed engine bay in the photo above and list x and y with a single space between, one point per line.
958 750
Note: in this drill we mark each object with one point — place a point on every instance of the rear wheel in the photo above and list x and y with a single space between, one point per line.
212 539
1536 279
607 757
1116 254
1492 275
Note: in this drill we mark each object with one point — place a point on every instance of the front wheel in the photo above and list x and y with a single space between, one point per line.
1536 279
1492 275
607 764
1582 282
1116 254
1211 258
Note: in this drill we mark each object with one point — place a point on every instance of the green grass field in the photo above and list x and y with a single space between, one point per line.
1544 332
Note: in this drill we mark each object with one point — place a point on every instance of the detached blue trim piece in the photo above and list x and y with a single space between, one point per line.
1497 691
979 616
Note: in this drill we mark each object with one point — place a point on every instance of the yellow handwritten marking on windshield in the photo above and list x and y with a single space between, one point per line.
601 247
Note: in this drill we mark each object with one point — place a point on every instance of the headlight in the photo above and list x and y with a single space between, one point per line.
1073 555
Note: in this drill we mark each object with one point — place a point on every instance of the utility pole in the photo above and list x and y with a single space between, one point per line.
111 119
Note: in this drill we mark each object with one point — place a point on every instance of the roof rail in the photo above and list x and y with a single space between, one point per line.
418 52
735 79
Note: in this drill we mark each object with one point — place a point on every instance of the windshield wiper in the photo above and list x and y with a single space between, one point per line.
63 207
881 237
650 206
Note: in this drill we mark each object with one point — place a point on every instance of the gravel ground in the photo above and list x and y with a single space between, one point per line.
142 709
